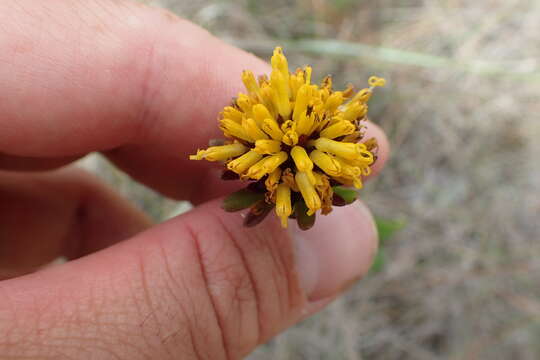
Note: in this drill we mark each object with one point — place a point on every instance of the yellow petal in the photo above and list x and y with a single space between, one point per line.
279 63
267 147
288 125
233 129
232 113
302 101
340 128
356 182
220 153
267 97
260 112
333 102
271 127
347 169
349 151
253 131
249 82
266 165
272 181
326 162
305 124
244 102
324 94
350 172
295 82
366 170
311 198
283 203
363 96
318 179
274 161
280 88
365 158
301 159
244 162
308 70
354 111
290 138
376 81
303 162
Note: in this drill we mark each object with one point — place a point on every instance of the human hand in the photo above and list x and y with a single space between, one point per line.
144 88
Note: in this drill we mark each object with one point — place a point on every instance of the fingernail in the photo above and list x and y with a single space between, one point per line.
336 252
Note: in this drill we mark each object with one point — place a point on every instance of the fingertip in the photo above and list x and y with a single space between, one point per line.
336 252
383 150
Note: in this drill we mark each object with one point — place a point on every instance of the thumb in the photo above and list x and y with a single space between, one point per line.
199 286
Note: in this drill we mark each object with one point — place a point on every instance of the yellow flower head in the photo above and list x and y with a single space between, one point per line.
297 143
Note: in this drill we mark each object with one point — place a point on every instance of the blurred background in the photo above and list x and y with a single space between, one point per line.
461 279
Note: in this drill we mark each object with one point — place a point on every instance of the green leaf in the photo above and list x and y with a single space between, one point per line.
378 262
387 228
241 200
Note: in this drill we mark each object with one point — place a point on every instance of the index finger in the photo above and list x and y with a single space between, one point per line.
137 83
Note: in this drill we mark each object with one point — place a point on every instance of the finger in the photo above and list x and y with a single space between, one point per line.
383 149
214 187
135 82
63 213
199 286
148 82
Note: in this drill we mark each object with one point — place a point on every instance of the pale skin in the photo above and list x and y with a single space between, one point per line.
143 87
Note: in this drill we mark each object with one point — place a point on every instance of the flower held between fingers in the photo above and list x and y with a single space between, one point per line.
299 144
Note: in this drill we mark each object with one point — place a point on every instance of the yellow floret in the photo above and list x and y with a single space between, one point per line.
220 153
283 203
244 162
349 151
326 162
267 147
311 198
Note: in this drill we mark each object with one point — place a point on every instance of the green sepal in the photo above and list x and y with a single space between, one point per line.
241 199
257 213
349 195
305 222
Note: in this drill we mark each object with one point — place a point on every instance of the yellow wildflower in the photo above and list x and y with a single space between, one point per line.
295 142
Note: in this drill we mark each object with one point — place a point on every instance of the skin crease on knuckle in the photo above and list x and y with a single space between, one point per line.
250 278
